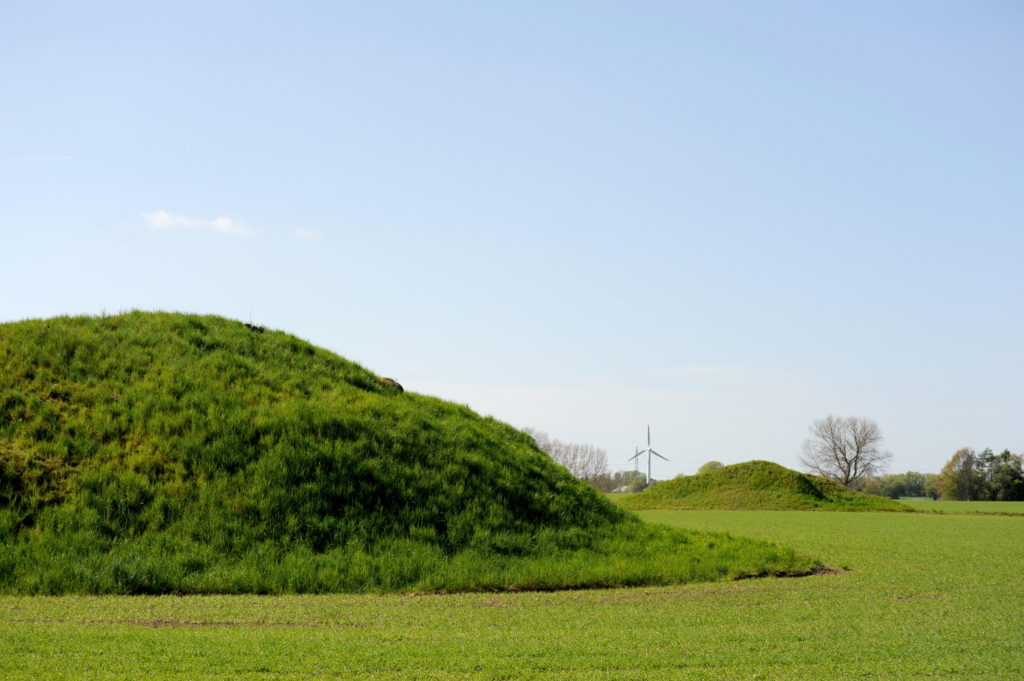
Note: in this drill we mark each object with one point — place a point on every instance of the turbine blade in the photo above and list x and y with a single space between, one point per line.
658 455
648 436
634 456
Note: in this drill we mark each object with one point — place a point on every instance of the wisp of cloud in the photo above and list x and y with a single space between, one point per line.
161 219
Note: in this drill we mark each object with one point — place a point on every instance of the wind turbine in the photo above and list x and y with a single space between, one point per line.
649 451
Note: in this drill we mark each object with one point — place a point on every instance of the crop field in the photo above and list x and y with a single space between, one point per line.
1011 507
914 596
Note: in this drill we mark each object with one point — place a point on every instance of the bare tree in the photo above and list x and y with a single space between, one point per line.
585 462
845 449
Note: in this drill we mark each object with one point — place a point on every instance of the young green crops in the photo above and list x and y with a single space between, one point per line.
915 596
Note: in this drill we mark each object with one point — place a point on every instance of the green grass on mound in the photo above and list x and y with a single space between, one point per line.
756 485
156 453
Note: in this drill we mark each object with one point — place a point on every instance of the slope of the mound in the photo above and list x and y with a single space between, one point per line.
756 485
162 452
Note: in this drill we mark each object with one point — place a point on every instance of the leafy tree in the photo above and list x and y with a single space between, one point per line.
632 481
969 476
709 466
963 477
846 449
620 481
1005 476
896 485
911 484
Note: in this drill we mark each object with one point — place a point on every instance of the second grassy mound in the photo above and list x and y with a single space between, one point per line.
756 485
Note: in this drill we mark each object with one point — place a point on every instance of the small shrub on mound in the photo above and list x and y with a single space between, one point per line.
757 485
156 453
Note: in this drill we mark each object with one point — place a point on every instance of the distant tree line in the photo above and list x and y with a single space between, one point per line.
849 450
586 462
968 476
846 449
622 481
896 485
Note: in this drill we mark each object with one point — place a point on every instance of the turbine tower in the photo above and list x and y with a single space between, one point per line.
648 450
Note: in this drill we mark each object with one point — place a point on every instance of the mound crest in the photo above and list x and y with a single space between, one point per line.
757 485
156 452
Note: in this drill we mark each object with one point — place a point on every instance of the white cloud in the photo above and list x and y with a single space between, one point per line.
161 219
308 234
39 158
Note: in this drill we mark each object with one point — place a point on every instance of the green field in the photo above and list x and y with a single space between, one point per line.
926 596
1010 507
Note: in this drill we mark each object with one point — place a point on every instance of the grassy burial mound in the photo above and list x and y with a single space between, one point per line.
156 453
757 485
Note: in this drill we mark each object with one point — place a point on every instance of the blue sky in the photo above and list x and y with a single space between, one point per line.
723 219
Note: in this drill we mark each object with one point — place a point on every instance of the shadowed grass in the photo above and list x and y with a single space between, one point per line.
631 554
